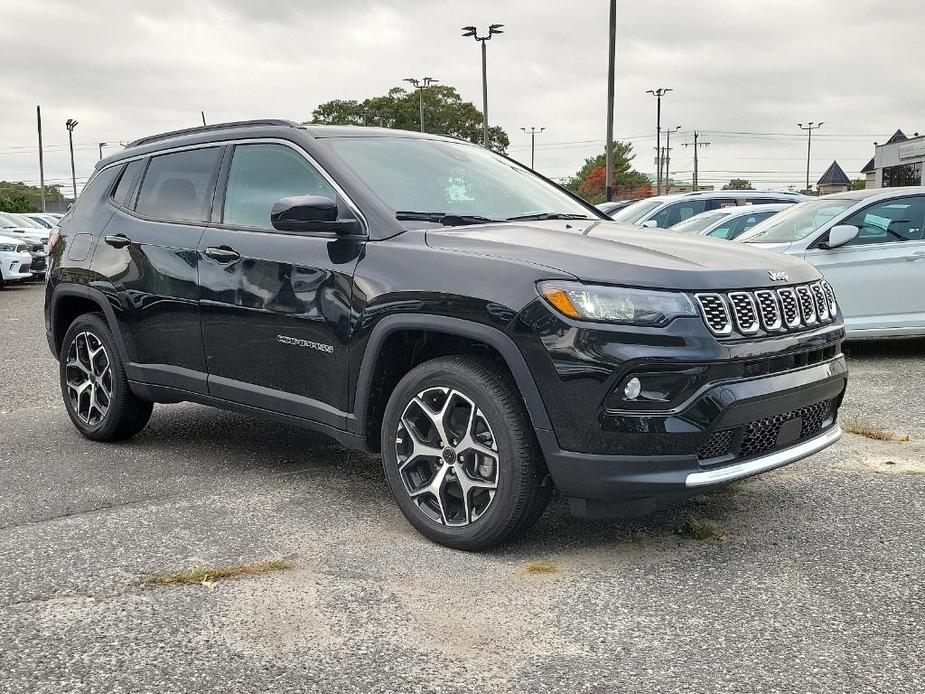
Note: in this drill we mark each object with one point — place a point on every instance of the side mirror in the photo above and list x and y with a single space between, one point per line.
841 234
312 213
650 224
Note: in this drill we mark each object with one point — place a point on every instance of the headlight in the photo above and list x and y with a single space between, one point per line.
616 304
7 248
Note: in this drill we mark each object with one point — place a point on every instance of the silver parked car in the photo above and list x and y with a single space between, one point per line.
665 211
870 245
729 222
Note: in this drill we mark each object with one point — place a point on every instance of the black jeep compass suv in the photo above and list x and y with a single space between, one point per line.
488 333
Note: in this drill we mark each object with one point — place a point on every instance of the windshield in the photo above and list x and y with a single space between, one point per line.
425 180
699 222
7 222
797 222
633 213
24 221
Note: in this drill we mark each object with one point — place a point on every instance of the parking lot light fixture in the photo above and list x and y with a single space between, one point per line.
473 32
71 124
421 85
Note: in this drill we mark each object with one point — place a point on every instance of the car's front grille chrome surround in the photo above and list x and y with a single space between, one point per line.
748 313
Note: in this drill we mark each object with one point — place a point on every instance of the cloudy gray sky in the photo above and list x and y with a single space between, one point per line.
743 72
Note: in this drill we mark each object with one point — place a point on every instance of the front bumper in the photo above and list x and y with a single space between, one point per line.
16 267
751 426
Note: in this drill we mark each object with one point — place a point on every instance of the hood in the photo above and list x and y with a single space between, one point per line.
613 253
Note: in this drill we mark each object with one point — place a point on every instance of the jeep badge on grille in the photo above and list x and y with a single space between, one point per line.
778 276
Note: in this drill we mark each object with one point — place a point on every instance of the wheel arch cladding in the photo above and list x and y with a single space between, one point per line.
70 302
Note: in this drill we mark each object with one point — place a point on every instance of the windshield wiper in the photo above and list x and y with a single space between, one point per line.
540 216
444 218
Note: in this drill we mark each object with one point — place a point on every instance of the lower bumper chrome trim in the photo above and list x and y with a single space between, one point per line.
767 462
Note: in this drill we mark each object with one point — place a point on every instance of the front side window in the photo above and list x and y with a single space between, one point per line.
178 187
797 222
678 212
260 175
893 220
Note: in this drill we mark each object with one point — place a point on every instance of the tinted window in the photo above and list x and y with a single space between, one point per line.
127 182
738 225
893 220
678 212
178 187
262 174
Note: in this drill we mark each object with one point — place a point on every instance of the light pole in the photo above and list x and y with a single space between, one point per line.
611 69
668 156
421 85
532 133
38 115
71 124
473 32
658 94
809 144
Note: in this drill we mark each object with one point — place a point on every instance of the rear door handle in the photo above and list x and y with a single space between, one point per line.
118 240
222 254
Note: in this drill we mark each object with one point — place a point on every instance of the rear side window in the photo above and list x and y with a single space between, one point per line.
178 187
127 183
260 175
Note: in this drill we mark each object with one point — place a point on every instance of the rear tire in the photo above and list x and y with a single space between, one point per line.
460 454
93 384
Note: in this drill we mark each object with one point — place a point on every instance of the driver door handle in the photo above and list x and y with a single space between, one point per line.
118 240
222 254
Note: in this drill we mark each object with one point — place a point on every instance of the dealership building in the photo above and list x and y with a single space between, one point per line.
898 162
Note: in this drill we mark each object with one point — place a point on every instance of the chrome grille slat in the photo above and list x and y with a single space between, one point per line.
745 312
769 310
807 304
790 307
715 313
822 305
830 296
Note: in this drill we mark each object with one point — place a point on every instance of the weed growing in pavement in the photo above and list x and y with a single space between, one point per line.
856 426
208 577
703 530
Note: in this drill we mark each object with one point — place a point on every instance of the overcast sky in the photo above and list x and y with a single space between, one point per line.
743 72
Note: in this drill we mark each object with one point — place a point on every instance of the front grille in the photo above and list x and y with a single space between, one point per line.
761 436
38 263
25 268
746 313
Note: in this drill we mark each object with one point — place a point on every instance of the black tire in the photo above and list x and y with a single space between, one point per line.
125 414
522 488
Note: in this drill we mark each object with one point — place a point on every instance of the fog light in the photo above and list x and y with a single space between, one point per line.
632 389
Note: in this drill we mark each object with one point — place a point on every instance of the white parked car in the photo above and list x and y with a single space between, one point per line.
665 211
870 245
15 260
729 222
46 220
21 227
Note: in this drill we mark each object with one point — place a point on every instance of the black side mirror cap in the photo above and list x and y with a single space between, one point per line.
311 213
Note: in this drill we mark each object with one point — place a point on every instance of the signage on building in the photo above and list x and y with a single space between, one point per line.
908 150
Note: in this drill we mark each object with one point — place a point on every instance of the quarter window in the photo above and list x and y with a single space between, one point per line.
260 175
127 183
178 187
892 220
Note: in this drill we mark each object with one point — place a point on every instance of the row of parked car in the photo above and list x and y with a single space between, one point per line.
869 244
23 242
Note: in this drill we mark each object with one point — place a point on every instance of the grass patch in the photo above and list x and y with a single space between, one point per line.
209 576
702 530
856 426
542 567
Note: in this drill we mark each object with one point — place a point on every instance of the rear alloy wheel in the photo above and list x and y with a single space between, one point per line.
96 392
460 454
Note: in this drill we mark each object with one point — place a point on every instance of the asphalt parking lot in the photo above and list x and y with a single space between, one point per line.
811 582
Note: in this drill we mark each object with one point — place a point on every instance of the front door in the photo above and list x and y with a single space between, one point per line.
276 305
879 277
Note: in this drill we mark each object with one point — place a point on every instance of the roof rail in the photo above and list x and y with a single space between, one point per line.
209 128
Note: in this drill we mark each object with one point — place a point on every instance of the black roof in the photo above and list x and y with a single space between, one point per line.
869 167
898 136
834 176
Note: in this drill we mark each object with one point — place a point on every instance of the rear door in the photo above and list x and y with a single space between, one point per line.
276 305
147 263
879 277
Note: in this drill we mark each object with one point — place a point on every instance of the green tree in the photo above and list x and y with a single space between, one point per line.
859 184
16 196
589 181
445 113
738 184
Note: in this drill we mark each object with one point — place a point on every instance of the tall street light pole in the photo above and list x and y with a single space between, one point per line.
473 32
611 70
809 144
38 115
71 124
658 94
532 133
421 85
667 176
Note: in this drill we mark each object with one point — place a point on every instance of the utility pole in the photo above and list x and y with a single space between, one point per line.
38 115
532 133
667 157
421 85
658 94
809 144
203 114
473 32
611 75
696 144
71 124
101 149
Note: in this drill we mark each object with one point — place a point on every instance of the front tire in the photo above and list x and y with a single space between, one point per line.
460 454
93 384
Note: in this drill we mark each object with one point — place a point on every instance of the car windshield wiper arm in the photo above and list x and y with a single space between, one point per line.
546 215
444 218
